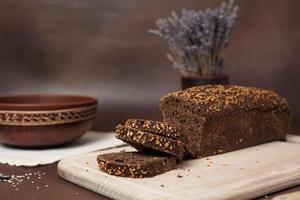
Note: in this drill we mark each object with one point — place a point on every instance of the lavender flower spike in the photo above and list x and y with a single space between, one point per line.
197 38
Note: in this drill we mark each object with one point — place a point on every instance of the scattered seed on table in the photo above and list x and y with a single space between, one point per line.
179 176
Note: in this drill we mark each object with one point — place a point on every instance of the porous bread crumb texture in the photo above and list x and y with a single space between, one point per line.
135 164
219 119
145 141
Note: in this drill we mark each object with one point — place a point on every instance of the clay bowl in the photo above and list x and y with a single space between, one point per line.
40 121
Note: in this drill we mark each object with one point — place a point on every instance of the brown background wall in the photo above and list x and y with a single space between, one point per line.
102 48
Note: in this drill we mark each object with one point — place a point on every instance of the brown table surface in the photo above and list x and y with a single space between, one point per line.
51 186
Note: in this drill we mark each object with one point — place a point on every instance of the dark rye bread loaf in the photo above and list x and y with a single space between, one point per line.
148 142
135 164
159 128
219 119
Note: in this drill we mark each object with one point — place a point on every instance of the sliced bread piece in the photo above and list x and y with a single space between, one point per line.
163 129
148 142
155 127
135 164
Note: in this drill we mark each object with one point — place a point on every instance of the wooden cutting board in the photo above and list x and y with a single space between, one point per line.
243 174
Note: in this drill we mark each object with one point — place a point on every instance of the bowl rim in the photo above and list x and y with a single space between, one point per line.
65 101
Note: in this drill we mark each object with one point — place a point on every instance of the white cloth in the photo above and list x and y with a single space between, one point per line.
91 141
293 138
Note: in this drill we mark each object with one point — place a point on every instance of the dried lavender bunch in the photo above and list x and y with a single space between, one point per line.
196 39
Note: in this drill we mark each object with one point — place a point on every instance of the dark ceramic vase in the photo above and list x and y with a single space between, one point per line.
187 82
